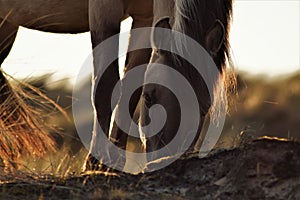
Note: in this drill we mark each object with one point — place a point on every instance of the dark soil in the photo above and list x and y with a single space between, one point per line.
263 169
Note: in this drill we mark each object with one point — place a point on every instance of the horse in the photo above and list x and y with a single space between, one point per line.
102 18
208 23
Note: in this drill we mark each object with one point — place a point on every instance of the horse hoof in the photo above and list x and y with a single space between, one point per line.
93 164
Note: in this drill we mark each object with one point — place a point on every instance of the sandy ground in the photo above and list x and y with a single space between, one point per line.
262 169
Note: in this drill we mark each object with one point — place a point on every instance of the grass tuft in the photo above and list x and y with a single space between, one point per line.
23 130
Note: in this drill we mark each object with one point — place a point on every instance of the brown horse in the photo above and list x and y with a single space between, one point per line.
101 17
206 21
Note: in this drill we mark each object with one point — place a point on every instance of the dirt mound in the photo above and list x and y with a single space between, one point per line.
263 169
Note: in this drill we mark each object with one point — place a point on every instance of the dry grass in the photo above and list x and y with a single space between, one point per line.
23 129
265 107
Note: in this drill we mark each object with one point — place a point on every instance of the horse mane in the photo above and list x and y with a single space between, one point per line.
193 18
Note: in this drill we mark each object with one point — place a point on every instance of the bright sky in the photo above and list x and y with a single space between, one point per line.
264 39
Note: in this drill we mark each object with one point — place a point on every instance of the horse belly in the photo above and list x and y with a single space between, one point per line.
139 10
59 16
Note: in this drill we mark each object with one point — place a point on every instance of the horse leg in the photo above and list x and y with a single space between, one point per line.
105 17
133 59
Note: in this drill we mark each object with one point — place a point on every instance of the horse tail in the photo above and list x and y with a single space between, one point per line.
23 130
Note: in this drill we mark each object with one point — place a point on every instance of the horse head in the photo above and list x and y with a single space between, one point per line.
187 62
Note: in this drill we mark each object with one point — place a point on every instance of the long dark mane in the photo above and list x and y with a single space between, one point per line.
194 17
